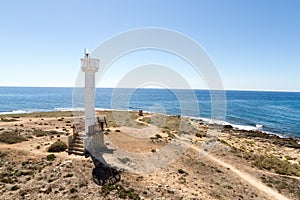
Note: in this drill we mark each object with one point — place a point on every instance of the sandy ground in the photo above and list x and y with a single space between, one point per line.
225 172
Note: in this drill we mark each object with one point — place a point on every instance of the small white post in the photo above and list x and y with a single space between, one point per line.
89 66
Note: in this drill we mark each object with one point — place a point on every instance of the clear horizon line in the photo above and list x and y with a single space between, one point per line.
230 89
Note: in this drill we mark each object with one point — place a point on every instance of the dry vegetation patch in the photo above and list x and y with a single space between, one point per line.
3 119
268 162
288 185
174 125
11 137
121 118
58 146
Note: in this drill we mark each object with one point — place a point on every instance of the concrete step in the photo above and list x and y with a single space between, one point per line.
80 153
78 139
76 148
81 145
82 137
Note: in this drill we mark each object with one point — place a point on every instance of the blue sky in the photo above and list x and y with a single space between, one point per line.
253 43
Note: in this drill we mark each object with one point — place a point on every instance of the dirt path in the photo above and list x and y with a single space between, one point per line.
272 194
250 179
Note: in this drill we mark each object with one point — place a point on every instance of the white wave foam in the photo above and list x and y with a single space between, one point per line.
103 109
259 126
210 121
236 126
68 109
14 112
244 127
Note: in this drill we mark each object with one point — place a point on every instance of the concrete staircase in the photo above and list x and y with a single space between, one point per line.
76 145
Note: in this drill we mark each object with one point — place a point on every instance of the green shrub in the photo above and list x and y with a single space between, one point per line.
3 154
170 135
271 163
14 188
39 133
73 190
289 158
121 191
158 136
105 132
11 137
51 157
224 142
53 132
68 176
124 160
75 197
58 146
8 120
83 183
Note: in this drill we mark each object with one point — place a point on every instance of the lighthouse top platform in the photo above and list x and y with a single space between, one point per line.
89 64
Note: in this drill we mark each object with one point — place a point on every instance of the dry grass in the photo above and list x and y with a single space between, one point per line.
121 118
287 184
11 137
270 163
47 114
3 119
122 192
176 124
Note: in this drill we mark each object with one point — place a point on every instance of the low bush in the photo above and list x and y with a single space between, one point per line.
58 146
8 120
277 165
120 191
53 132
3 154
11 137
271 163
68 175
73 190
39 133
51 157
14 188
158 136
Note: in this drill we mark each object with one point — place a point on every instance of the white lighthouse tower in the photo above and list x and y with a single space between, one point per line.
89 66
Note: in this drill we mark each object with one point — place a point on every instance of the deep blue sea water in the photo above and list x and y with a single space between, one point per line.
275 112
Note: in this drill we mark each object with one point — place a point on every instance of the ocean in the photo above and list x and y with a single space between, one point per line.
273 112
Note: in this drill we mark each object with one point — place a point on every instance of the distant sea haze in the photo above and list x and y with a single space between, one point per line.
273 112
